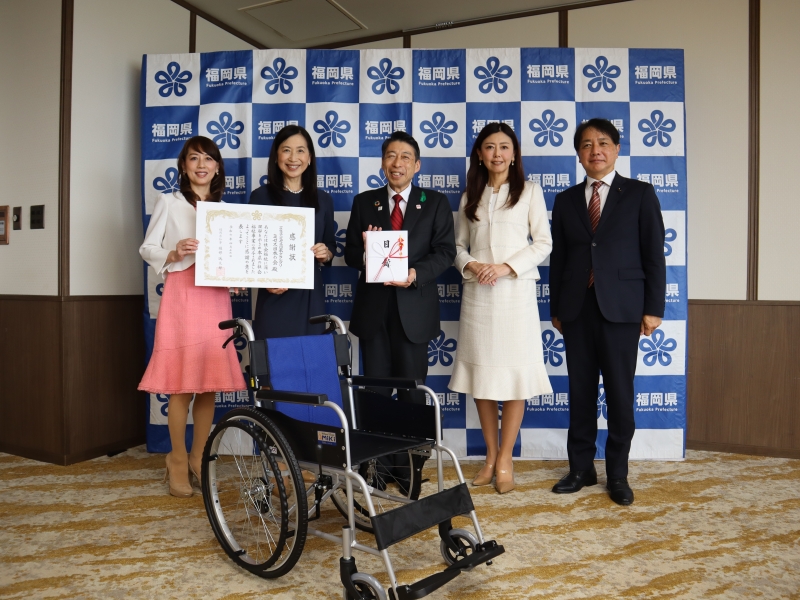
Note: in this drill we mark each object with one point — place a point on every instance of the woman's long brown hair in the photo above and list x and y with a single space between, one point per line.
206 146
478 174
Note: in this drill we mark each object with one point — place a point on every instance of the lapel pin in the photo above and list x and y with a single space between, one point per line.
377 202
419 206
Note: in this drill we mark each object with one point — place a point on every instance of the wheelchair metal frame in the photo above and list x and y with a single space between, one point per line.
353 481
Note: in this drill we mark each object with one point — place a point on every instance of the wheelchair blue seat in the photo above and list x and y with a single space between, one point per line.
306 364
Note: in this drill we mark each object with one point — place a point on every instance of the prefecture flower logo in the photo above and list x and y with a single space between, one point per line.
385 77
657 129
264 180
602 408
377 181
225 131
173 80
552 348
601 74
657 348
670 235
547 129
341 238
278 76
332 130
169 182
438 130
492 76
440 350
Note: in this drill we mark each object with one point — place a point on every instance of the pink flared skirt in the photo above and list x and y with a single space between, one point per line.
187 353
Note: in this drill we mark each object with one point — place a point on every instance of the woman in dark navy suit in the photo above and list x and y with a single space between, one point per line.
292 181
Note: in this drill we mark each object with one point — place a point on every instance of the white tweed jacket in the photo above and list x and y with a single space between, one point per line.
173 220
519 236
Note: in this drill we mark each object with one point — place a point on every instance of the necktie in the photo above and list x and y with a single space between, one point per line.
397 213
594 217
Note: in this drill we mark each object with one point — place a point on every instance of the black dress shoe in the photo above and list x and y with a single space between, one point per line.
574 481
620 491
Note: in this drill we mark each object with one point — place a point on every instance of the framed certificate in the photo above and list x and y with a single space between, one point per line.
387 256
246 245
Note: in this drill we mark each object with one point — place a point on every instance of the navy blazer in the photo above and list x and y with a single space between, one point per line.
431 247
626 253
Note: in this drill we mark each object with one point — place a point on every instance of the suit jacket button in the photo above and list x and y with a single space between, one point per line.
594 244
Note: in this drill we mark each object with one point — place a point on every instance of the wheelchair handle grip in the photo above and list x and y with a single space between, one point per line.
319 319
229 324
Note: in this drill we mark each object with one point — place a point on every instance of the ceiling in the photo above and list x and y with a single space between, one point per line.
308 23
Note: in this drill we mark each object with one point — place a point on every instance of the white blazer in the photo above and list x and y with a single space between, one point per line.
173 220
519 236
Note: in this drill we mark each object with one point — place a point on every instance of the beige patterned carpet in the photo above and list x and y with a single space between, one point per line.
715 526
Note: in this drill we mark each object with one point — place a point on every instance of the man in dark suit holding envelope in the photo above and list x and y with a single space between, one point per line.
607 287
394 321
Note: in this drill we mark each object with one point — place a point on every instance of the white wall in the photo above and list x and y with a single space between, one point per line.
540 31
110 37
30 67
714 35
779 215
210 38
379 45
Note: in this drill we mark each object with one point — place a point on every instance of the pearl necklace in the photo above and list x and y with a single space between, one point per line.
293 191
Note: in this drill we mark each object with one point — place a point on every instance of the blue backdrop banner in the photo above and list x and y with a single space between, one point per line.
351 100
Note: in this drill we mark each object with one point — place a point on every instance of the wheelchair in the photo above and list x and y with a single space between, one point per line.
316 432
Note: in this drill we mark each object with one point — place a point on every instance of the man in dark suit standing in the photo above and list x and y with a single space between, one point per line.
395 321
607 287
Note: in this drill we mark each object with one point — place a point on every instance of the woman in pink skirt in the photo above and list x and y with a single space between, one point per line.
188 358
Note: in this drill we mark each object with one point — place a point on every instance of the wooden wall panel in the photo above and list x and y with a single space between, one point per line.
69 369
103 364
31 413
744 377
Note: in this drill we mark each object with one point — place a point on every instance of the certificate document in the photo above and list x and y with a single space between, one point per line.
247 245
387 256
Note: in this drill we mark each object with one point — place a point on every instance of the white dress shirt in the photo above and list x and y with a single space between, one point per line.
405 194
602 191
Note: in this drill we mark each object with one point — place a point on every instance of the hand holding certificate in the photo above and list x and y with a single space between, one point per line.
243 245
387 256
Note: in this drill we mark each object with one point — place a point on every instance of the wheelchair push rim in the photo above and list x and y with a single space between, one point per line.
254 493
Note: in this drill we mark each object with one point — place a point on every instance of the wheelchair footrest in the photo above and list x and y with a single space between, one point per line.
484 553
403 522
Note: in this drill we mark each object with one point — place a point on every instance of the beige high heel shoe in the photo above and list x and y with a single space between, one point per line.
502 484
175 472
484 479
195 468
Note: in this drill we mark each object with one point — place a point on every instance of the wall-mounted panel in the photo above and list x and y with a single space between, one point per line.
714 35
778 268
527 32
30 66
211 38
110 37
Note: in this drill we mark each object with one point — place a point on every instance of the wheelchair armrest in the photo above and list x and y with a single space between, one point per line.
399 383
295 397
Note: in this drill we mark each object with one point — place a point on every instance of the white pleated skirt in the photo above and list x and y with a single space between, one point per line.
499 354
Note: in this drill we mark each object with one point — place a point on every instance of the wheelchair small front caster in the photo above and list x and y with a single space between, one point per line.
368 586
466 542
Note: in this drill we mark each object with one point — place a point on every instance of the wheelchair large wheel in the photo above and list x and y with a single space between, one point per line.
254 493
378 476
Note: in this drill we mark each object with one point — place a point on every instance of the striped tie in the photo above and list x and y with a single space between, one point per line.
594 217
397 213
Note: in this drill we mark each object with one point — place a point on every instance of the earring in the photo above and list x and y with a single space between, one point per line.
480 162
217 173
512 163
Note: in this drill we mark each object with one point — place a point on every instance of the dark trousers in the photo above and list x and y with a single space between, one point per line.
391 354
595 345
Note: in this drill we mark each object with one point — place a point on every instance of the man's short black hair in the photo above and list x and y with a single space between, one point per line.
602 125
401 136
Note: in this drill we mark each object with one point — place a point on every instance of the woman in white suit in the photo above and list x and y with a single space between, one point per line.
502 235
188 358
